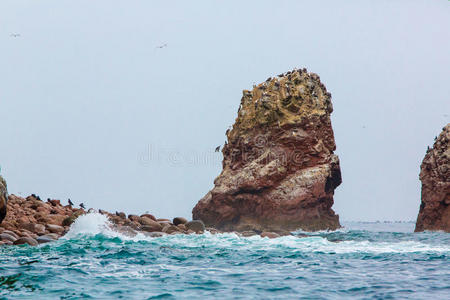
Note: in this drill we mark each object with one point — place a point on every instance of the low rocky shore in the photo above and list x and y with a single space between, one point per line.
33 221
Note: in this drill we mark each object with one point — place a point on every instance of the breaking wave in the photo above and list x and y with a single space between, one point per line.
95 261
97 224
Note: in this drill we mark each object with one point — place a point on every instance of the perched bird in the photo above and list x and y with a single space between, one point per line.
161 46
70 202
82 206
38 198
217 149
33 195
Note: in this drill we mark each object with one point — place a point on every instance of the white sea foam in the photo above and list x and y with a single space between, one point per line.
90 224
95 223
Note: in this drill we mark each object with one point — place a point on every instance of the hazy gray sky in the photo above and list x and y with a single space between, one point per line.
93 111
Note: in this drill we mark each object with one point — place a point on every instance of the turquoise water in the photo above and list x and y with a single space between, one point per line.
363 260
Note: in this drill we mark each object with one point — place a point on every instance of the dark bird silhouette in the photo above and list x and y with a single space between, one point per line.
161 46
38 198
70 202
82 206
217 149
33 195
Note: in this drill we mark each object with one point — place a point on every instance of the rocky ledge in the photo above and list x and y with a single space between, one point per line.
434 213
279 171
3 198
32 221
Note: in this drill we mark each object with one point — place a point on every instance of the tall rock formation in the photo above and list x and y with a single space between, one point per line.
3 198
279 171
434 213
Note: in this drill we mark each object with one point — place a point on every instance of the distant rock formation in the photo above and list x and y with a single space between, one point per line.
279 171
3 198
434 213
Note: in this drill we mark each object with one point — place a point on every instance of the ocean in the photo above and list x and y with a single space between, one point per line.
360 261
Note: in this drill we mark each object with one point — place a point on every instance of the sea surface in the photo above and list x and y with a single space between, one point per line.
360 261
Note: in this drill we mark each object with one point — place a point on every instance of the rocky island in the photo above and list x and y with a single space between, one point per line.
279 170
434 213
3 198
33 221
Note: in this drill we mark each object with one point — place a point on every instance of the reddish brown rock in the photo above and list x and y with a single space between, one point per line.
279 171
170 229
182 227
3 199
32 221
151 228
196 225
163 220
55 228
150 225
149 216
133 218
7 237
146 221
434 213
121 215
39 229
179 220
26 240
68 220
270 235
54 202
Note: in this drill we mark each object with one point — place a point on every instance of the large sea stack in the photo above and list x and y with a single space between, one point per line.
279 171
3 198
434 213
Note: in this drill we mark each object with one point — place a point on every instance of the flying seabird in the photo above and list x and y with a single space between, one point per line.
161 46
82 206
217 149
14 34
70 202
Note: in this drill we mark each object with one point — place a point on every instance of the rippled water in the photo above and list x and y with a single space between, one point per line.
360 261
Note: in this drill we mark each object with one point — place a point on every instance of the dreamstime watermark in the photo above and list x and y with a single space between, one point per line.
154 155
285 148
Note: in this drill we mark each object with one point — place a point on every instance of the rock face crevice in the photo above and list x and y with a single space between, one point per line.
279 171
434 213
3 199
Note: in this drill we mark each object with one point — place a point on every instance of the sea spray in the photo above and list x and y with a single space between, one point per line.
95 261
92 224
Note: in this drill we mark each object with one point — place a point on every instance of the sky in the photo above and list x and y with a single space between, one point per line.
94 111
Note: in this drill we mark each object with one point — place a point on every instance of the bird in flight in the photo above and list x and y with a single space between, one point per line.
14 34
161 46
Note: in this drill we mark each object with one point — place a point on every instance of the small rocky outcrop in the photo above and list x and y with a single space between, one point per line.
279 171
3 199
32 221
434 213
